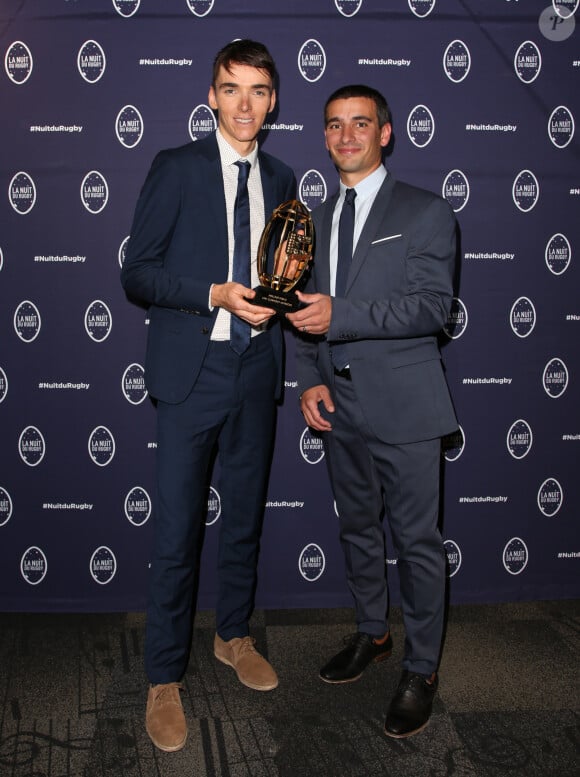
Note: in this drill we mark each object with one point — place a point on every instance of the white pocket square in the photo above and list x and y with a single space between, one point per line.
384 239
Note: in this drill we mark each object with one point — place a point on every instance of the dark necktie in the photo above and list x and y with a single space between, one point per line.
344 259
240 330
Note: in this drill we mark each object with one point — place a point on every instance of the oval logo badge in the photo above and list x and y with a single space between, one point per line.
101 446
550 497
202 122
561 126
98 321
528 62
214 506
33 565
22 193
312 189
453 444
311 447
31 446
18 62
558 254
27 321
422 8
565 8
515 556
456 190
456 323
129 126
103 565
453 554
519 439
137 506
311 562
91 61
523 317
555 378
525 191
5 506
126 8
456 61
94 192
420 126
348 8
200 7
311 60
133 384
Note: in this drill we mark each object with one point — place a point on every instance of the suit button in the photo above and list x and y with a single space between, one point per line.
204 330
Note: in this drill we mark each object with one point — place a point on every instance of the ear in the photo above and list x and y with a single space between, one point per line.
272 101
386 130
212 102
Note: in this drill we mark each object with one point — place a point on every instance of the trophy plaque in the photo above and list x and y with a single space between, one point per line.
285 249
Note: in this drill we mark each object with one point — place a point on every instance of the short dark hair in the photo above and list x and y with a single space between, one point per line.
361 90
244 52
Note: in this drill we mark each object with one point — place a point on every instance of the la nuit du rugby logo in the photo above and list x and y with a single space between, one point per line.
420 126
133 384
22 193
528 62
456 61
103 565
558 254
33 565
3 385
98 321
555 378
561 126
214 506
422 8
202 122
523 317
137 506
31 446
312 189
456 323
200 7
311 60
91 61
515 556
453 554
519 439
5 506
525 190
456 190
311 447
101 446
27 321
311 562
18 62
550 497
565 8
129 126
94 192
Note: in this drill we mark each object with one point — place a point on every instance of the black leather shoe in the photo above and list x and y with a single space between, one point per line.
410 708
348 665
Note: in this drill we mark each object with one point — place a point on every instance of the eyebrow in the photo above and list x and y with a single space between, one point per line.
354 118
229 84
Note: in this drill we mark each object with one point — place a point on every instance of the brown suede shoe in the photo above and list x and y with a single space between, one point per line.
164 719
252 669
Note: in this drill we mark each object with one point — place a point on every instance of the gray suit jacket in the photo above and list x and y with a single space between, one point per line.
398 296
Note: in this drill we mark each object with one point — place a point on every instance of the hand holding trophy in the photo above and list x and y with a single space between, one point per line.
285 249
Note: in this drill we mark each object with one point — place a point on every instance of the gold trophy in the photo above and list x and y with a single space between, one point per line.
285 249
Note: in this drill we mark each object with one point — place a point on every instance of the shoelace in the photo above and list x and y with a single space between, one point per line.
247 645
167 690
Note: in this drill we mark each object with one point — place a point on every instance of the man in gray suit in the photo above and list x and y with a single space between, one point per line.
372 384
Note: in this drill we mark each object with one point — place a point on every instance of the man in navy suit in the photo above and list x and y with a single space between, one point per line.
214 367
372 383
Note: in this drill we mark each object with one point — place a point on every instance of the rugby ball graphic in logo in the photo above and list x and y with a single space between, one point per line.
421 8
550 497
129 126
456 190
214 506
519 439
5 506
348 7
3 385
555 378
98 321
101 446
18 62
561 126
94 192
33 565
103 565
525 190
27 321
311 60
420 126
200 7
126 8
202 122
22 193
91 61
515 556
565 8
528 62
523 317
456 323
456 61
31 446
453 554
133 384
311 562
137 506
312 189
311 447
558 254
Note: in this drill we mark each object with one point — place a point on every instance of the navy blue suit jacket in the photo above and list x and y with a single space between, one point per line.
177 249
397 299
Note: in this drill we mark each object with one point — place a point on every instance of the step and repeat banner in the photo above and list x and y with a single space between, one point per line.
485 96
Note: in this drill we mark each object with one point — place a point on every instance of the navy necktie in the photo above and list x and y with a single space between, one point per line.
344 259
240 330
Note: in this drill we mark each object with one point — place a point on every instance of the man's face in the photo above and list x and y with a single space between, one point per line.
243 96
353 137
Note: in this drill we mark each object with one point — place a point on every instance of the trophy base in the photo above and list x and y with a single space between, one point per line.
280 301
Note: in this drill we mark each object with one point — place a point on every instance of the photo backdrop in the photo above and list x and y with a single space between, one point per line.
485 95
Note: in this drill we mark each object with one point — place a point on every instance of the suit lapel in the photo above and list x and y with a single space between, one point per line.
322 257
375 218
210 170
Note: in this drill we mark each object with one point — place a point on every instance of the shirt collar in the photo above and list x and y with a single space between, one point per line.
368 185
230 156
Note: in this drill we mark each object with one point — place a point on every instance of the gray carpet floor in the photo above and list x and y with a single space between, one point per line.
72 699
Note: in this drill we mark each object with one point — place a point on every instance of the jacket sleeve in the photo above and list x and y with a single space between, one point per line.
145 274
